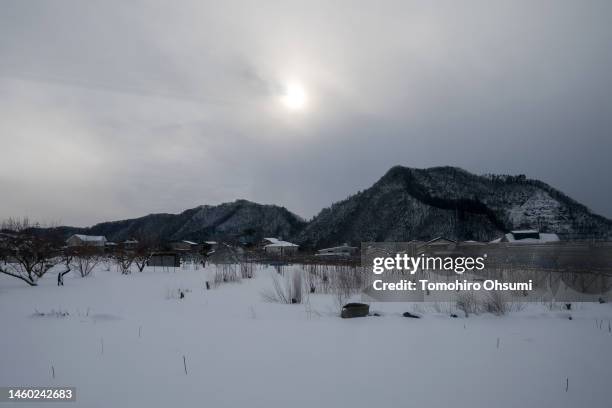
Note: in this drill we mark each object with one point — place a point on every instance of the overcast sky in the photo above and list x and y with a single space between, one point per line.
116 109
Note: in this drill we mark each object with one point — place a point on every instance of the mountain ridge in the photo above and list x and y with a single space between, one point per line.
408 203
405 203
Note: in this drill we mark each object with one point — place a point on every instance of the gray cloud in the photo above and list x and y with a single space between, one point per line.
116 109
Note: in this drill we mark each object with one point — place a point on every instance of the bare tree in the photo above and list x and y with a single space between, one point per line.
147 243
141 258
143 251
67 264
124 258
25 253
85 258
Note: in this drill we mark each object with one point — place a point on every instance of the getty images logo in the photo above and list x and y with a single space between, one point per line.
411 264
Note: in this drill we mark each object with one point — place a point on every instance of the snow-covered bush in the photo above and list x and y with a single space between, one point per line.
247 270
285 289
345 282
468 302
225 273
497 303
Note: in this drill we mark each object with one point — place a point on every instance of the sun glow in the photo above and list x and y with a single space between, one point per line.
294 96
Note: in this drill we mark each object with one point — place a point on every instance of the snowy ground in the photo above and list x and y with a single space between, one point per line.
123 342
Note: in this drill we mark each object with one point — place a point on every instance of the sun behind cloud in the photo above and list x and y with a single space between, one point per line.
294 96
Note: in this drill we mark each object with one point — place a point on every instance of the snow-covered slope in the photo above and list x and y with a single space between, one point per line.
408 204
123 340
207 222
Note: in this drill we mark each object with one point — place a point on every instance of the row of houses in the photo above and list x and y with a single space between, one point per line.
80 240
166 258
270 245
279 247
513 237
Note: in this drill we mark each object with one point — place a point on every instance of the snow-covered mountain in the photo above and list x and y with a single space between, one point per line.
238 219
405 204
409 203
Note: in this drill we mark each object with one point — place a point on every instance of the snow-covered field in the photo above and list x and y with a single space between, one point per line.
124 338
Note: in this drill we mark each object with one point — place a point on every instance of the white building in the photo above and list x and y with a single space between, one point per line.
278 247
438 245
130 243
185 245
86 240
528 237
342 250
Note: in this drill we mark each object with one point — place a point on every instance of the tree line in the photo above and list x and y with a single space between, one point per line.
28 254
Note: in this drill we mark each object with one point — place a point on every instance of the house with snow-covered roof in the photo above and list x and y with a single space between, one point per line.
186 246
437 245
277 246
130 243
77 240
343 250
268 241
530 236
